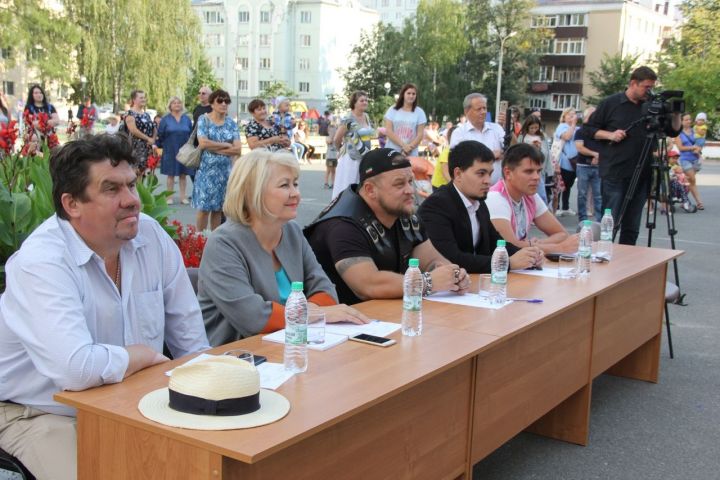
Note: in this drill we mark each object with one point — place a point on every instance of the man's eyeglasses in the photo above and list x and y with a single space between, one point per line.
223 100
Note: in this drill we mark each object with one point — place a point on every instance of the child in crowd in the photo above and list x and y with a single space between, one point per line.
679 184
700 129
331 155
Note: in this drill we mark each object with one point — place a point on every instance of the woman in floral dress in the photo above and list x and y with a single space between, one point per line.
219 139
141 127
260 132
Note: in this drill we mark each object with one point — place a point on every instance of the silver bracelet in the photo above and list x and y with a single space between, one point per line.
427 288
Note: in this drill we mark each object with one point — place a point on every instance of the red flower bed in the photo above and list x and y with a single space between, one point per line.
191 243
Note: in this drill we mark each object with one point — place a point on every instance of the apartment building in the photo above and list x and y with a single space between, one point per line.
393 12
304 43
583 32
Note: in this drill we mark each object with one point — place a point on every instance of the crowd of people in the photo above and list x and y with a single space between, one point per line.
98 289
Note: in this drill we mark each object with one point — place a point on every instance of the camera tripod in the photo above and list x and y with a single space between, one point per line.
655 147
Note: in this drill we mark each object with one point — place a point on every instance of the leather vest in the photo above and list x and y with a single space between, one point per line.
349 206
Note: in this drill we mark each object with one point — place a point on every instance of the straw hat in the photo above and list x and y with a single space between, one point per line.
220 393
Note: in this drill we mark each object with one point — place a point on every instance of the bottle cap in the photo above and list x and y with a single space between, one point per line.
587 223
608 211
297 286
501 243
414 262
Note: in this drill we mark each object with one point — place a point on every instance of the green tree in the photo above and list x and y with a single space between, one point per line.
201 74
277 89
135 45
336 102
489 22
692 62
611 77
38 36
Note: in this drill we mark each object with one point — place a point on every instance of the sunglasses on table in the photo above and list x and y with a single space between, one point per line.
223 100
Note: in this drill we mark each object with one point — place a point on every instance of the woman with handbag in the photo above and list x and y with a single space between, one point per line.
352 139
173 133
219 139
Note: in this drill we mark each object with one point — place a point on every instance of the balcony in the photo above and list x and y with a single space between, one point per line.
571 32
563 60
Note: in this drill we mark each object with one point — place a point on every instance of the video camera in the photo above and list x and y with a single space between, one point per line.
658 109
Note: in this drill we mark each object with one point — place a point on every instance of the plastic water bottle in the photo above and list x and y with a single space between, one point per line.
413 285
500 263
585 248
605 245
296 322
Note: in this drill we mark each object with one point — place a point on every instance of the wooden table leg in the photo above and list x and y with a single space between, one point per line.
569 421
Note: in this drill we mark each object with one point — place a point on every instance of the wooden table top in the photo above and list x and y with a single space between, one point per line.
352 377
339 383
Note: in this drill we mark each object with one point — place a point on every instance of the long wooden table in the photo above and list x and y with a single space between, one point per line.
429 407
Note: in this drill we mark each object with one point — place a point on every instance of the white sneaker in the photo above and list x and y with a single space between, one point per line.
570 212
560 213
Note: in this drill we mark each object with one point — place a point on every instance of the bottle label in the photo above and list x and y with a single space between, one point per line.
585 252
606 236
296 335
499 278
412 303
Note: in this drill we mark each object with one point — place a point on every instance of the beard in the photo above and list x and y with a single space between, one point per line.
396 211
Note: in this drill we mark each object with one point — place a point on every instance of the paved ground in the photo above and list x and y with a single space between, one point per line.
638 430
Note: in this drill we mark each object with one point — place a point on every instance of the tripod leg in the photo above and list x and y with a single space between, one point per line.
667 327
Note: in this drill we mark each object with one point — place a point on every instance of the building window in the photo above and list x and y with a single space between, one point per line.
265 16
263 85
571 20
537 101
264 64
243 107
304 64
304 40
568 75
243 16
242 85
305 17
561 101
8 87
214 40
218 62
545 74
5 53
546 45
264 40
213 17
544 21
304 87
243 40
242 62
569 46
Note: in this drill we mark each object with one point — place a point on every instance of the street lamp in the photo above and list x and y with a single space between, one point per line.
499 79
387 88
83 81
238 69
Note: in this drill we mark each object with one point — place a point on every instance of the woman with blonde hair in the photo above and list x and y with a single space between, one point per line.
568 158
174 130
250 261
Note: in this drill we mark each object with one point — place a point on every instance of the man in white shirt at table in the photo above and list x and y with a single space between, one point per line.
91 296
477 128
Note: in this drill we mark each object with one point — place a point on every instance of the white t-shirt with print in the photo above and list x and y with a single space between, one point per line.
405 125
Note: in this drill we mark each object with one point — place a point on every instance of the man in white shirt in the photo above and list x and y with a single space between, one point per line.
476 128
91 296
515 205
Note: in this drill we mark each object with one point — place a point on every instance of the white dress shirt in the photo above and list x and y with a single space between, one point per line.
492 136
471 207
63 323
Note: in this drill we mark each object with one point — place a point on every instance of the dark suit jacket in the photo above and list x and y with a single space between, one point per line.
447 224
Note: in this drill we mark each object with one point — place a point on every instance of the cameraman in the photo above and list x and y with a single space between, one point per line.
623 148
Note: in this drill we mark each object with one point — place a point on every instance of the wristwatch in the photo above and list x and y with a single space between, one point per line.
427 290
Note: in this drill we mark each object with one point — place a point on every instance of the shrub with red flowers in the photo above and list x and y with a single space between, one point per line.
37 132
191 243
8 136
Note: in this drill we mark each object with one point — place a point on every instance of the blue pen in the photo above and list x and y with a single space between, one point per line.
529 300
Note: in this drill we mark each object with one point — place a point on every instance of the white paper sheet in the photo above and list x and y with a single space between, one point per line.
272 375
331 340
550 272
375 327
469 300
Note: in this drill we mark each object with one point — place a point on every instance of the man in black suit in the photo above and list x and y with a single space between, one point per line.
457 220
